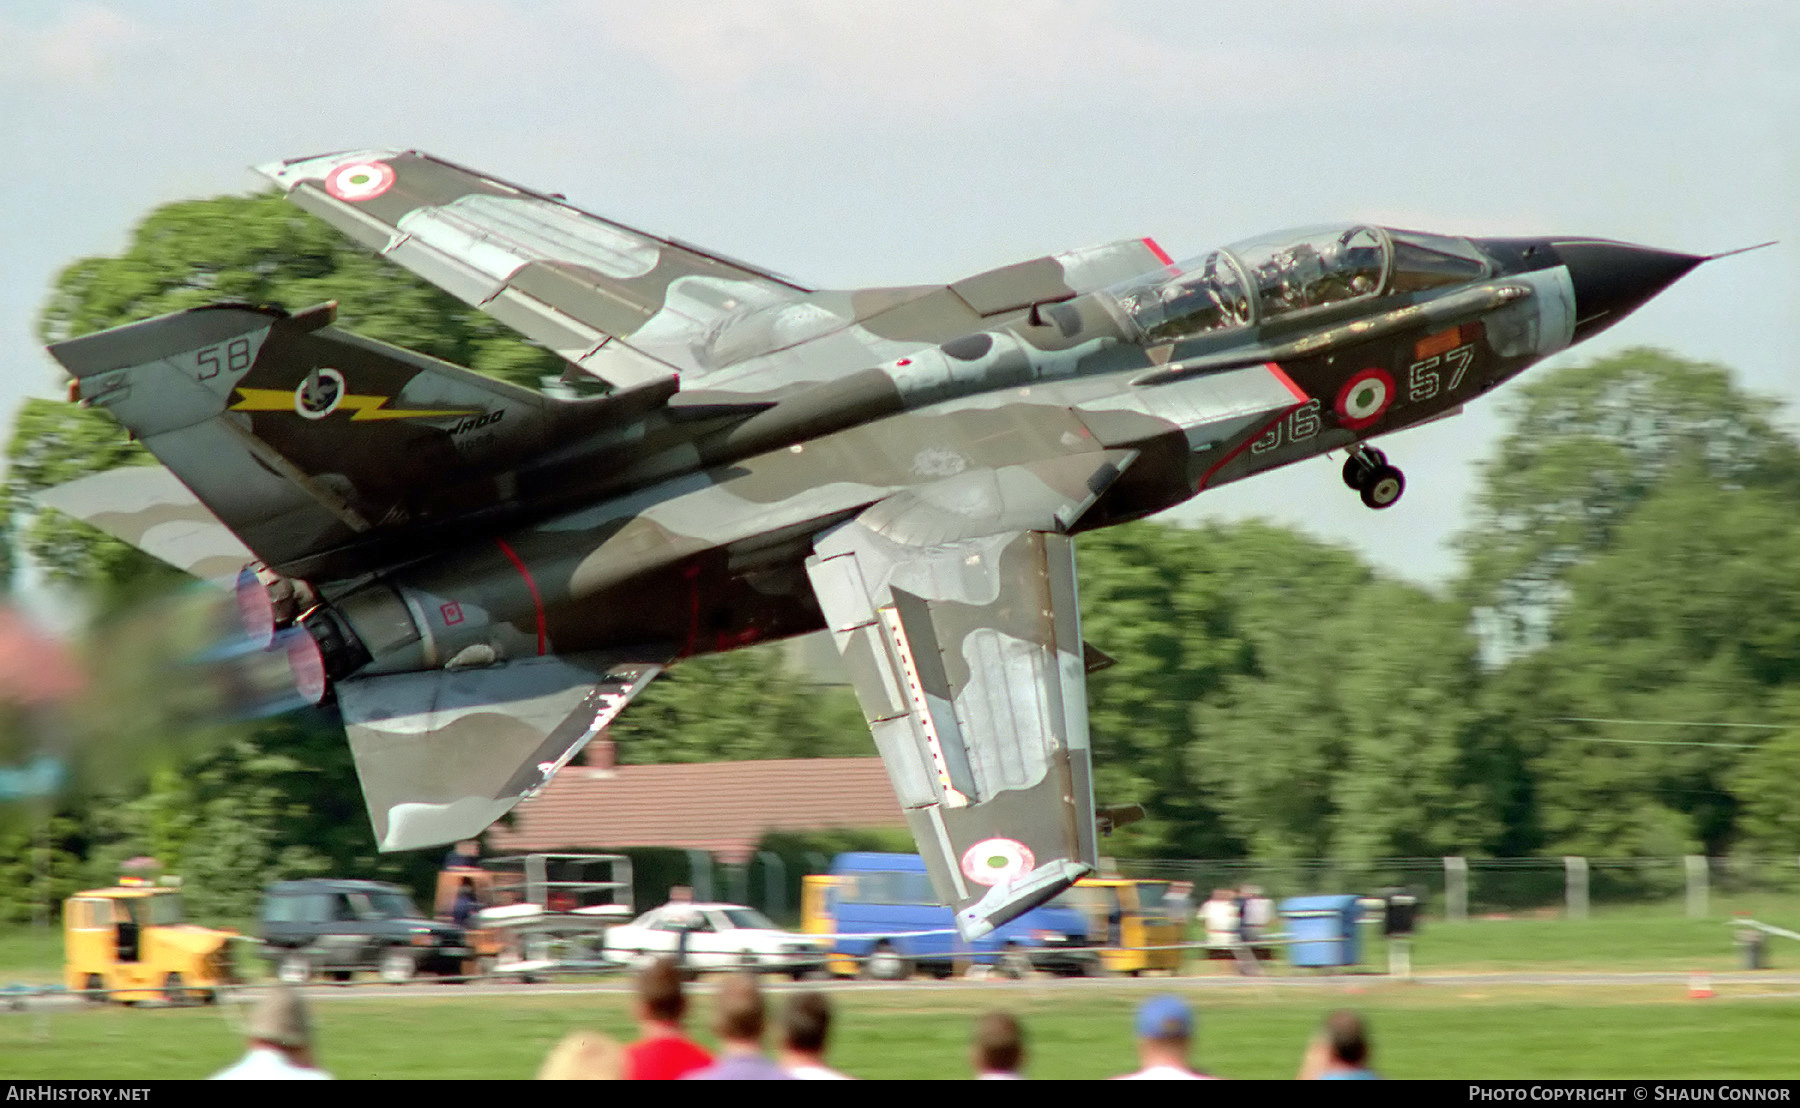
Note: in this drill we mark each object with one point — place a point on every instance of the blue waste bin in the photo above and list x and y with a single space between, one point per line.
1323 930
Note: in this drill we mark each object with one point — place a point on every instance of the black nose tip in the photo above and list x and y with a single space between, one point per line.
1612 279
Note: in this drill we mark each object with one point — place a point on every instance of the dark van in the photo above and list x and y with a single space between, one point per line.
337 928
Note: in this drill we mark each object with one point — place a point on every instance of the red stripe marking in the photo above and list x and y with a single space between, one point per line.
1243 446
1161 254
1281 375
537 602
692 572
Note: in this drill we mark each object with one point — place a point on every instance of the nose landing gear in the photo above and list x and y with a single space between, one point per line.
1368 472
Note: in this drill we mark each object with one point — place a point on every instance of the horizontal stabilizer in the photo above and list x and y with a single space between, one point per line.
443 754
149 508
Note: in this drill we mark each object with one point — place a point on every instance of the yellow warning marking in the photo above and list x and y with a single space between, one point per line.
366 407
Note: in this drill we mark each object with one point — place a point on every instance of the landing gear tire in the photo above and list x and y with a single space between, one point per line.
175 992
93 990
398 965
887 964
294 969
1361 465
1384 488
1015 964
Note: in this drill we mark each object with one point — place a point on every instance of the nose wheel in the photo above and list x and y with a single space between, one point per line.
1368 472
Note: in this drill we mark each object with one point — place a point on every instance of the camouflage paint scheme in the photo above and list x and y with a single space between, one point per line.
483 575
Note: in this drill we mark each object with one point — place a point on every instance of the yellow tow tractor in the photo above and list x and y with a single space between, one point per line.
1127 923
132 943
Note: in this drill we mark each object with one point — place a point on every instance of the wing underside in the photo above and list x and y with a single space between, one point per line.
442 754
967 659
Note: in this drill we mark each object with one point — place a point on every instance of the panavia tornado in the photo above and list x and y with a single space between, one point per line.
482 576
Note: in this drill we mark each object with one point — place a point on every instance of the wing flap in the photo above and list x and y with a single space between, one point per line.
967 659
442 754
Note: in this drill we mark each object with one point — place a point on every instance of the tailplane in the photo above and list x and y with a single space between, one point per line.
303 439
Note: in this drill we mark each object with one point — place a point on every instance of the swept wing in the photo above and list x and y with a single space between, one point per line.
647 312
621 303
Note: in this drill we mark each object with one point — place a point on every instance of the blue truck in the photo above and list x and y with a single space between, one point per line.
888 925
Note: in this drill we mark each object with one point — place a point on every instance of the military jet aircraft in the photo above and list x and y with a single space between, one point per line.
482 576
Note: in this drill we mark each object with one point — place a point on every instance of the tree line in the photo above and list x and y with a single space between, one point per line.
1633 554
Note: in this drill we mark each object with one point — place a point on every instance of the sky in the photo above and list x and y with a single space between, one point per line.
875 142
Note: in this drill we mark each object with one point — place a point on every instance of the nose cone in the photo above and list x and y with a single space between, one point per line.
1612 279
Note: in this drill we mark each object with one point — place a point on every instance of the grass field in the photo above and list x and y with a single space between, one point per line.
1074 1031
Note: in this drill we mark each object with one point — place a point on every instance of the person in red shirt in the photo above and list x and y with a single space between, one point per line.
663 1052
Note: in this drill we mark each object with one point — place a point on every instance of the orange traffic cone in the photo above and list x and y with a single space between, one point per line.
1699 986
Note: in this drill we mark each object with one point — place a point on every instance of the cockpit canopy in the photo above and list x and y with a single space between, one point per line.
1262 279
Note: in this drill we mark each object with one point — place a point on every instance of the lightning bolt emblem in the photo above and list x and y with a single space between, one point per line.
366 406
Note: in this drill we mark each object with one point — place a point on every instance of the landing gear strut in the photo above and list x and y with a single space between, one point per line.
1368 472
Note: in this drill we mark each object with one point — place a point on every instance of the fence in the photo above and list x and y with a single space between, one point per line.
1449 888
1458 888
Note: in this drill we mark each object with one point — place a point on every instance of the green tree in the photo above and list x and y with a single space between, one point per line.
1344 735
259 249
1764 784
738 706
1152 598
1692 616
1589 444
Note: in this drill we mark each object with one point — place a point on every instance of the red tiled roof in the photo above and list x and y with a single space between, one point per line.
723 807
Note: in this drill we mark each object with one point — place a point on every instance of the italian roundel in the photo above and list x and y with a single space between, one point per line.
1365 398
996 861
359 180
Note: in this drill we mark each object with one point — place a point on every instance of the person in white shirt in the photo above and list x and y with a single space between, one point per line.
280 1035
1220 917
805 1025
1165 1029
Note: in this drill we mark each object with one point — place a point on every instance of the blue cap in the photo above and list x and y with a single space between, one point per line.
1164 1017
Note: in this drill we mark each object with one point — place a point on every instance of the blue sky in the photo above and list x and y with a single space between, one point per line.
886 142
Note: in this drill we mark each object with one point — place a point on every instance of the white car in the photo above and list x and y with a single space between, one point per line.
715 937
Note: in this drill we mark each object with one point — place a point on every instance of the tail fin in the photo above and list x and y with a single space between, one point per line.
301 438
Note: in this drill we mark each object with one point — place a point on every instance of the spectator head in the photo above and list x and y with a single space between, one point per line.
584 1056
659 992
1347 1039
806 1023
740 1011
1165 1019
999 1044
279 1019
1164 1027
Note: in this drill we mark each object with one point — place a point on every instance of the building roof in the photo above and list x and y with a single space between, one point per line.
722 807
